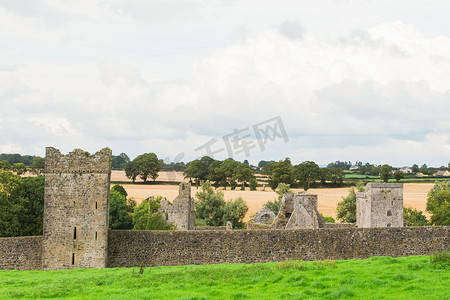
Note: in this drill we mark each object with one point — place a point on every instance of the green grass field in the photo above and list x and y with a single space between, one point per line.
373 278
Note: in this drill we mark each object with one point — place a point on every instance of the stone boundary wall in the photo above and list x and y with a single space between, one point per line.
21 253
168 248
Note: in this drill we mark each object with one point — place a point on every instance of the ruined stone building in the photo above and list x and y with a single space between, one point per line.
264 216
76 209
380 205
296 211
181 212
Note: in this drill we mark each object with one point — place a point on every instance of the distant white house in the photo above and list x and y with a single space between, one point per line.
352 168
406 170
442 173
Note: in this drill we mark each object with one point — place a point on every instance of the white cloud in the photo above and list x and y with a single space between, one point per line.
110 76
10 147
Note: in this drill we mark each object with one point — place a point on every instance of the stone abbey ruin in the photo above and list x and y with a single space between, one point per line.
380 205
76 235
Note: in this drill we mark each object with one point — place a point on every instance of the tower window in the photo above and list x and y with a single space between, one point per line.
388 225
389 213
73 258
96 205
96 235
74 233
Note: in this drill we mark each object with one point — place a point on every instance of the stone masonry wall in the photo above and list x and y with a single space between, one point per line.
21 253
154 248
76 209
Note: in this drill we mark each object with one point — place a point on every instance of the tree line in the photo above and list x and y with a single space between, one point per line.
220 173
305 173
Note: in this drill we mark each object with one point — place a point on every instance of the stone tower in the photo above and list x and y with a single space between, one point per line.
76 209
181 212
380 205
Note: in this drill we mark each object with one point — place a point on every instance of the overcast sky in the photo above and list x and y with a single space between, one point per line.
349 80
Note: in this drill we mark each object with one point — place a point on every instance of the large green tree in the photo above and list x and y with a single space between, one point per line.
234 212
414 217
346 209
438 204
4 165
385 172
210 205
118 211
307 173
38 165
253 184
147 217
12 204
199 169
337 175
119 188
227 169
19 168
325 175
32 190
118 162
279 172
149 165
213 210
214 173
132 170
243 173
398 175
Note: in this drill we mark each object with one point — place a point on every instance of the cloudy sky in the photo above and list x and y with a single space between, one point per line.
347 80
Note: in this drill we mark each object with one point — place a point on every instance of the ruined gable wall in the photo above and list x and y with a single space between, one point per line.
181 213
76 209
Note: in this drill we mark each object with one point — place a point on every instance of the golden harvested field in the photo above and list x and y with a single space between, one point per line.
415 194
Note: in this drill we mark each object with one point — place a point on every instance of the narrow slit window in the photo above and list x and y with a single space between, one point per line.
73 258
96 235
74 233
95 205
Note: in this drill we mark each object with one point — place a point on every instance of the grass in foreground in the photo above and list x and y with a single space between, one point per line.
373 278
